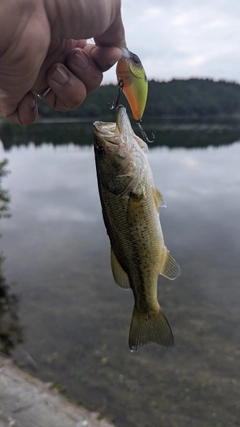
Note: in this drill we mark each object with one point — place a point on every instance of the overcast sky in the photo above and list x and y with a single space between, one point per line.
184 38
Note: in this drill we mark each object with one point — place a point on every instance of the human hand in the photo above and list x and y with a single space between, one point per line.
43 44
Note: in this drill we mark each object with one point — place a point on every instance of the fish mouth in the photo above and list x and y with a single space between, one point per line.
110 131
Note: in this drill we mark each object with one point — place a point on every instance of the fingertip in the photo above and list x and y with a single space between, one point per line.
67 90
59 75
106 56
26 111
81 64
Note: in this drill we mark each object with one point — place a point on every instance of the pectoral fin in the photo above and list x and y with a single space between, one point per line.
119 275
170 267
135 210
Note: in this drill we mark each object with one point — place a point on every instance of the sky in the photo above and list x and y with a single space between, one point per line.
183 38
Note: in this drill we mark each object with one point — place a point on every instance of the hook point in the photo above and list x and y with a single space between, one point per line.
115 102
144 135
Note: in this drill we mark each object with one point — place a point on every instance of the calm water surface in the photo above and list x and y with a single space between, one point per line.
76 320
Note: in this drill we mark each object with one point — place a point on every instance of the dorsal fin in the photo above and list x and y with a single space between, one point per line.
158 199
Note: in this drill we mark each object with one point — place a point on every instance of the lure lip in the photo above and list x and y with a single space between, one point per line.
126 54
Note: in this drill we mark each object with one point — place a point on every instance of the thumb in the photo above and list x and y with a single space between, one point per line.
114 35
108 44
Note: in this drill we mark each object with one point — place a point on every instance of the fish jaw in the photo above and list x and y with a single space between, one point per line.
115 132
123 123
119 155
118 133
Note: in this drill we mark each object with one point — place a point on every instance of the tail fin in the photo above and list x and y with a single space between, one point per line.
152 327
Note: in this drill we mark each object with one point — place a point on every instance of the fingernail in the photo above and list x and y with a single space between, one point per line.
80 59
32 104
60 76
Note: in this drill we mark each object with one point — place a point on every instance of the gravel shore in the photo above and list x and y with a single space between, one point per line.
26 401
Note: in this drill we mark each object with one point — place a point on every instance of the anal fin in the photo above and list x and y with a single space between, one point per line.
119 275
170 267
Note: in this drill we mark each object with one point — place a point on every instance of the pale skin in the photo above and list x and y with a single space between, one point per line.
43 44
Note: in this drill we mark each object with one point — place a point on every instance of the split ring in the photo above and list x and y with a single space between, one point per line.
45 93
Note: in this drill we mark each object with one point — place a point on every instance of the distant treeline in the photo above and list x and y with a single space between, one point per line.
181 98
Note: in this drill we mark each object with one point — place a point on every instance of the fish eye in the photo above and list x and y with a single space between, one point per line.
136 59
99 151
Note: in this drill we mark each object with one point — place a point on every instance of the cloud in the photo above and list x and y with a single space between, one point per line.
184 38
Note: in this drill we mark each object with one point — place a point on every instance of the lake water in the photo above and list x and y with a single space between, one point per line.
57 291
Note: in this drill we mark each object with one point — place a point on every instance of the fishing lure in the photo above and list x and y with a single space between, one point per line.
132 81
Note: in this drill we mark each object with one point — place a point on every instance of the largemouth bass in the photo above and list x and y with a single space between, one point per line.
130 205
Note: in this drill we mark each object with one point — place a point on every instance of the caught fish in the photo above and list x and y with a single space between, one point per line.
132 76
130 205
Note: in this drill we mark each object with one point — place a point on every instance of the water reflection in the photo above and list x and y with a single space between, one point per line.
11 333
42 133
58 261
170 133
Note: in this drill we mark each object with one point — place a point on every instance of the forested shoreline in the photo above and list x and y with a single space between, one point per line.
178 98
192 98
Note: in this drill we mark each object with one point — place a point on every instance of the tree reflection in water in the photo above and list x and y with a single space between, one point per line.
11 332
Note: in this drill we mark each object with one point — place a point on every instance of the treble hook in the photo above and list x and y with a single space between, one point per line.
116 101
114 105
144 135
